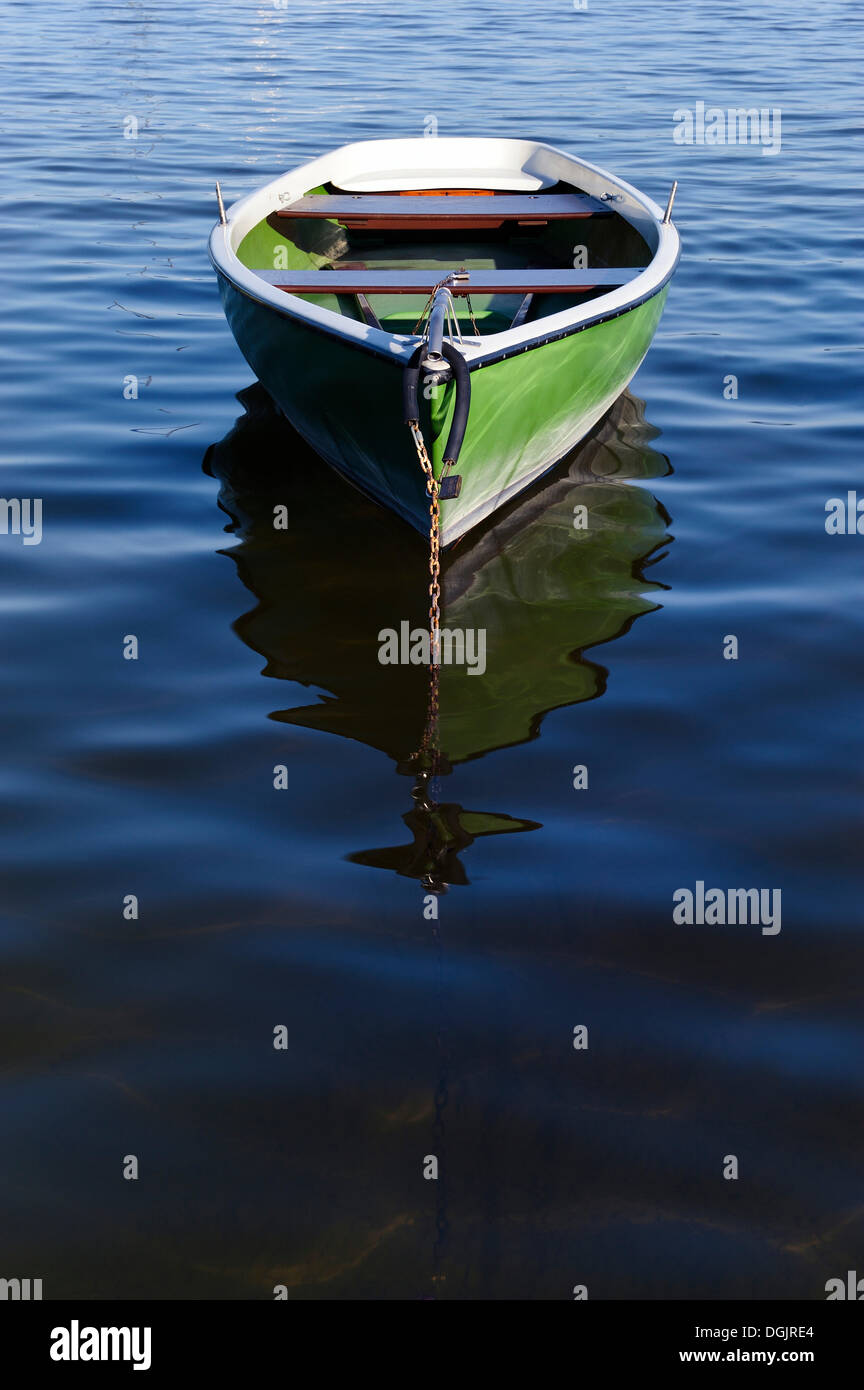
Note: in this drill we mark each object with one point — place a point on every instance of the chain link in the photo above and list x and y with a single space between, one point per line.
432 490
446 282
471 312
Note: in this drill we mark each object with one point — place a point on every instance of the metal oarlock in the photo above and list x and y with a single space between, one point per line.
222 218
667 216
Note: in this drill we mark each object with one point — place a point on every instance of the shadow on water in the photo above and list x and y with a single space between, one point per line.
540 584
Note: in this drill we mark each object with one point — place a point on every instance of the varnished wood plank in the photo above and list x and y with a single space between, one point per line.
421 281
425 211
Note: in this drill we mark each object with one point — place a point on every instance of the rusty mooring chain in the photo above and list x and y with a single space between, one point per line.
433 488
447 486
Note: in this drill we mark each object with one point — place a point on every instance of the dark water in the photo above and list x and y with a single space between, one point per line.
302 907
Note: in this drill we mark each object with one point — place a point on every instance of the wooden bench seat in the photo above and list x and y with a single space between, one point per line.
422 281
425 212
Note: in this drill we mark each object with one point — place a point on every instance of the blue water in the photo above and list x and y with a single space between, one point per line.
154 777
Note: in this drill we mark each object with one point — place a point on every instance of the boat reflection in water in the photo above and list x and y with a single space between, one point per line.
537 586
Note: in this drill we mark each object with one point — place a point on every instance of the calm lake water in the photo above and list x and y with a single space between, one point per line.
303 907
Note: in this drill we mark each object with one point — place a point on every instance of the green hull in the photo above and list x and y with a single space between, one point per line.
527 410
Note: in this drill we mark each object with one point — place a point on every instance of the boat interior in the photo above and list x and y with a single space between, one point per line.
376 257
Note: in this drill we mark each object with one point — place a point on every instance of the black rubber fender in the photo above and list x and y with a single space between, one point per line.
459 423
410 383
462 380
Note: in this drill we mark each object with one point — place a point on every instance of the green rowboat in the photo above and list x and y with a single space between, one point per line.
498 295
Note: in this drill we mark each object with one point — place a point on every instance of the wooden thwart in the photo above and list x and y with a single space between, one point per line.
422 281
424 211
